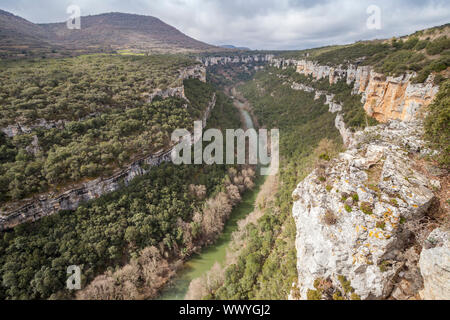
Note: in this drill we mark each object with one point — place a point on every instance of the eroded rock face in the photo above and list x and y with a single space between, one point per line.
69 200
333 107
435 266
384 98
350 215
215 60
396 97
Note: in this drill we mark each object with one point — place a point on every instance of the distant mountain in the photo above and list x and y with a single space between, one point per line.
229 46
98 33
125 31
18 35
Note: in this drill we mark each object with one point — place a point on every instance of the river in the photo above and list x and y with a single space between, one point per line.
199 264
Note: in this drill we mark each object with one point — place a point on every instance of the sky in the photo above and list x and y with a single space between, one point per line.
261 24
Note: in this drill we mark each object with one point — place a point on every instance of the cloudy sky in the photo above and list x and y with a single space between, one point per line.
259 24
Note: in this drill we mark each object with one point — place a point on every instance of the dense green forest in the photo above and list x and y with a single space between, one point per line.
266 262
73 88
421 52
108 121
104 234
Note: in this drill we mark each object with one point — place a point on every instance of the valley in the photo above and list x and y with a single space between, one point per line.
358 210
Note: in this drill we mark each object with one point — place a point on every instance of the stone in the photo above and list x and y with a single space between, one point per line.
435 266
372 232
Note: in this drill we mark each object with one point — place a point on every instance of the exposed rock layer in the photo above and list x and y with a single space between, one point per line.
370 191
69 200
384 98
435 266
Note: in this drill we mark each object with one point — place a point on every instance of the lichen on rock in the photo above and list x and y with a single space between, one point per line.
369 230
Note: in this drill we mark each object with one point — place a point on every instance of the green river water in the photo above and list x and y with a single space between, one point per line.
199 264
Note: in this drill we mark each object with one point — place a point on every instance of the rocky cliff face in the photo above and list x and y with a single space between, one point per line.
351 213
69 200
334 107
384 98
435 266
247 59
354 214
197 71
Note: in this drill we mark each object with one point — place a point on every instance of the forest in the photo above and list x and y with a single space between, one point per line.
162 215
107 122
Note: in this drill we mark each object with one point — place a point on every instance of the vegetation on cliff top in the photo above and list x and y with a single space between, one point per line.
74 88
437 124
160 211
352 108
424 52
107 121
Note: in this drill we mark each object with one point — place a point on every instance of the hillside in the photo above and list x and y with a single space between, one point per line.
122 31
107 32
18 36
67 125
423 52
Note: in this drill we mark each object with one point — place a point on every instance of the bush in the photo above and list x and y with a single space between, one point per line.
437 124
366 208
438 45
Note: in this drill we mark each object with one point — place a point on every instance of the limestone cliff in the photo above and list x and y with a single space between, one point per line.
354 215
196 71
247 59
351 213
49 204
384 98
435 266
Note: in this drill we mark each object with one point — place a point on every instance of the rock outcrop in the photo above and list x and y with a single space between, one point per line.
70 199
350 213
334 107
247 59
435 266
384 98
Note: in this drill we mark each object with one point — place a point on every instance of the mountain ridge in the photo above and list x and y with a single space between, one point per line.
104 32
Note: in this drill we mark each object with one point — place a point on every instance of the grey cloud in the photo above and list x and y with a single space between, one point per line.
259 24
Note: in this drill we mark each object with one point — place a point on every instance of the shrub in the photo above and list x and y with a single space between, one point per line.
346 284
438 45
381 225
437 129
354 296
314 294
